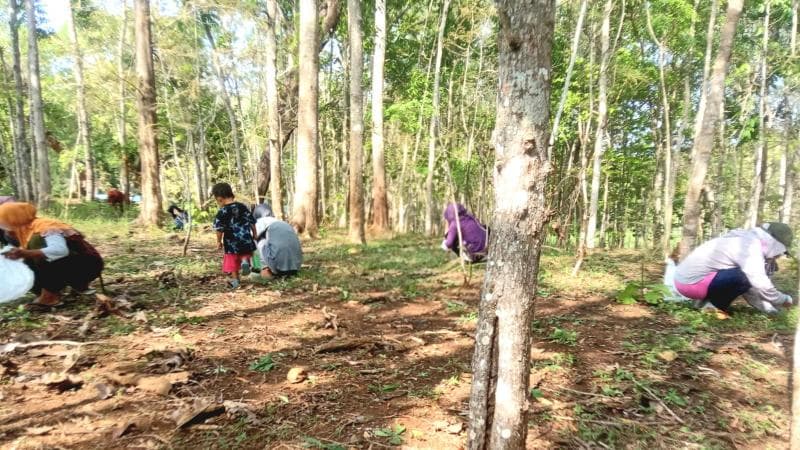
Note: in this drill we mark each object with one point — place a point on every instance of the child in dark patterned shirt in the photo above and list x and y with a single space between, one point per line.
236 232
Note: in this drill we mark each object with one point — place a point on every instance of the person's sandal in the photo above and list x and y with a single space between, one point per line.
245 268
233 284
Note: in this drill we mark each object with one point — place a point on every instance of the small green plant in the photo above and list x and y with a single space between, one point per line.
119 327
311 442
456 307
564 337
627 296
469 317
674 398
183 319
392 435
383 388
536 393
263 364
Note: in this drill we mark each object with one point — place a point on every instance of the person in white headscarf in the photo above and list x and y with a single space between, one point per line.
737 264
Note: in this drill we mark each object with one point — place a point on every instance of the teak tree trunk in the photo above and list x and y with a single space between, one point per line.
380 201
37 109
500 363
150 208
84 125
304 215
704 141
356 191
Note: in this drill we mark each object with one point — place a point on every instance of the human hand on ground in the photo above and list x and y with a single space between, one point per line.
17 253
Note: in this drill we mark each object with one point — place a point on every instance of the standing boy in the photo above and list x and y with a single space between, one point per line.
236 229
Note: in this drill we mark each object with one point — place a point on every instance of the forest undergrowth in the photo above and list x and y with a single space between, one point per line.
370 347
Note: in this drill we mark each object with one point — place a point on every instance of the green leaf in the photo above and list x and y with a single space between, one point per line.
263 364
536 393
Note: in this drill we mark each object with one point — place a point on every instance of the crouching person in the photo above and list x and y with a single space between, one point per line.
278 247
58 254
736 264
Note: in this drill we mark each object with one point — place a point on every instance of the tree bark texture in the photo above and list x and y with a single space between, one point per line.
150 208
84 125
704 140
306 184
356 191
520 213
37 109
380 201
433 130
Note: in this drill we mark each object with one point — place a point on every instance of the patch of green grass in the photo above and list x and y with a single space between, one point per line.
263 364
559 361
19 317
310 442
183 319
456 307
564 337
119 327
381 388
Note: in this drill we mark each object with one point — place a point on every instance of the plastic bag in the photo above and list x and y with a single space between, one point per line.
16 279
669 282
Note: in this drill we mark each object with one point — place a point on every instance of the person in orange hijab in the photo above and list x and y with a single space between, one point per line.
58 254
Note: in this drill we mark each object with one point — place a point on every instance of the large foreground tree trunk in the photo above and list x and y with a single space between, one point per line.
498 406
704 140
304 216
433 131
37 109
380 201
84 125
146 102
356 191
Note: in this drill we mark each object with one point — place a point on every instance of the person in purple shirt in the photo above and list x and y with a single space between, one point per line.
474 235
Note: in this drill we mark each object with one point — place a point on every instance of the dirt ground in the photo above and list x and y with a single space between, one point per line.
376 343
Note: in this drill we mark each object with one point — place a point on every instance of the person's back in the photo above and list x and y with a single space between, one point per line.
473 234
279 247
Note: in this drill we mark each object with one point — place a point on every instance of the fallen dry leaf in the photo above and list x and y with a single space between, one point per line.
38 431
296 375
668 355
200 411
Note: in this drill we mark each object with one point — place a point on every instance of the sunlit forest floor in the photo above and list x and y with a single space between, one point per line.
384 335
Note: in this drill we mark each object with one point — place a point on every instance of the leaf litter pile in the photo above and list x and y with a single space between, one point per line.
370 347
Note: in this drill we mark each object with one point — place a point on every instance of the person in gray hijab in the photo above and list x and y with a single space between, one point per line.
277 244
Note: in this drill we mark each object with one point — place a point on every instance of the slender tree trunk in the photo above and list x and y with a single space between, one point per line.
23 151
793 32
498 406
668 154
602 122
380 201
758 198
124 172
272 110
228 104
84 125
356 191
37 109
150 208
604 220
788 173
576 39
705 138
433 131
306 184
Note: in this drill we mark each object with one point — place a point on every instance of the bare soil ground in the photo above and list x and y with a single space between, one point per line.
380 340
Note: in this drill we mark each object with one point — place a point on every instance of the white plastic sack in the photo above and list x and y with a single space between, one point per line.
669 282
16 279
